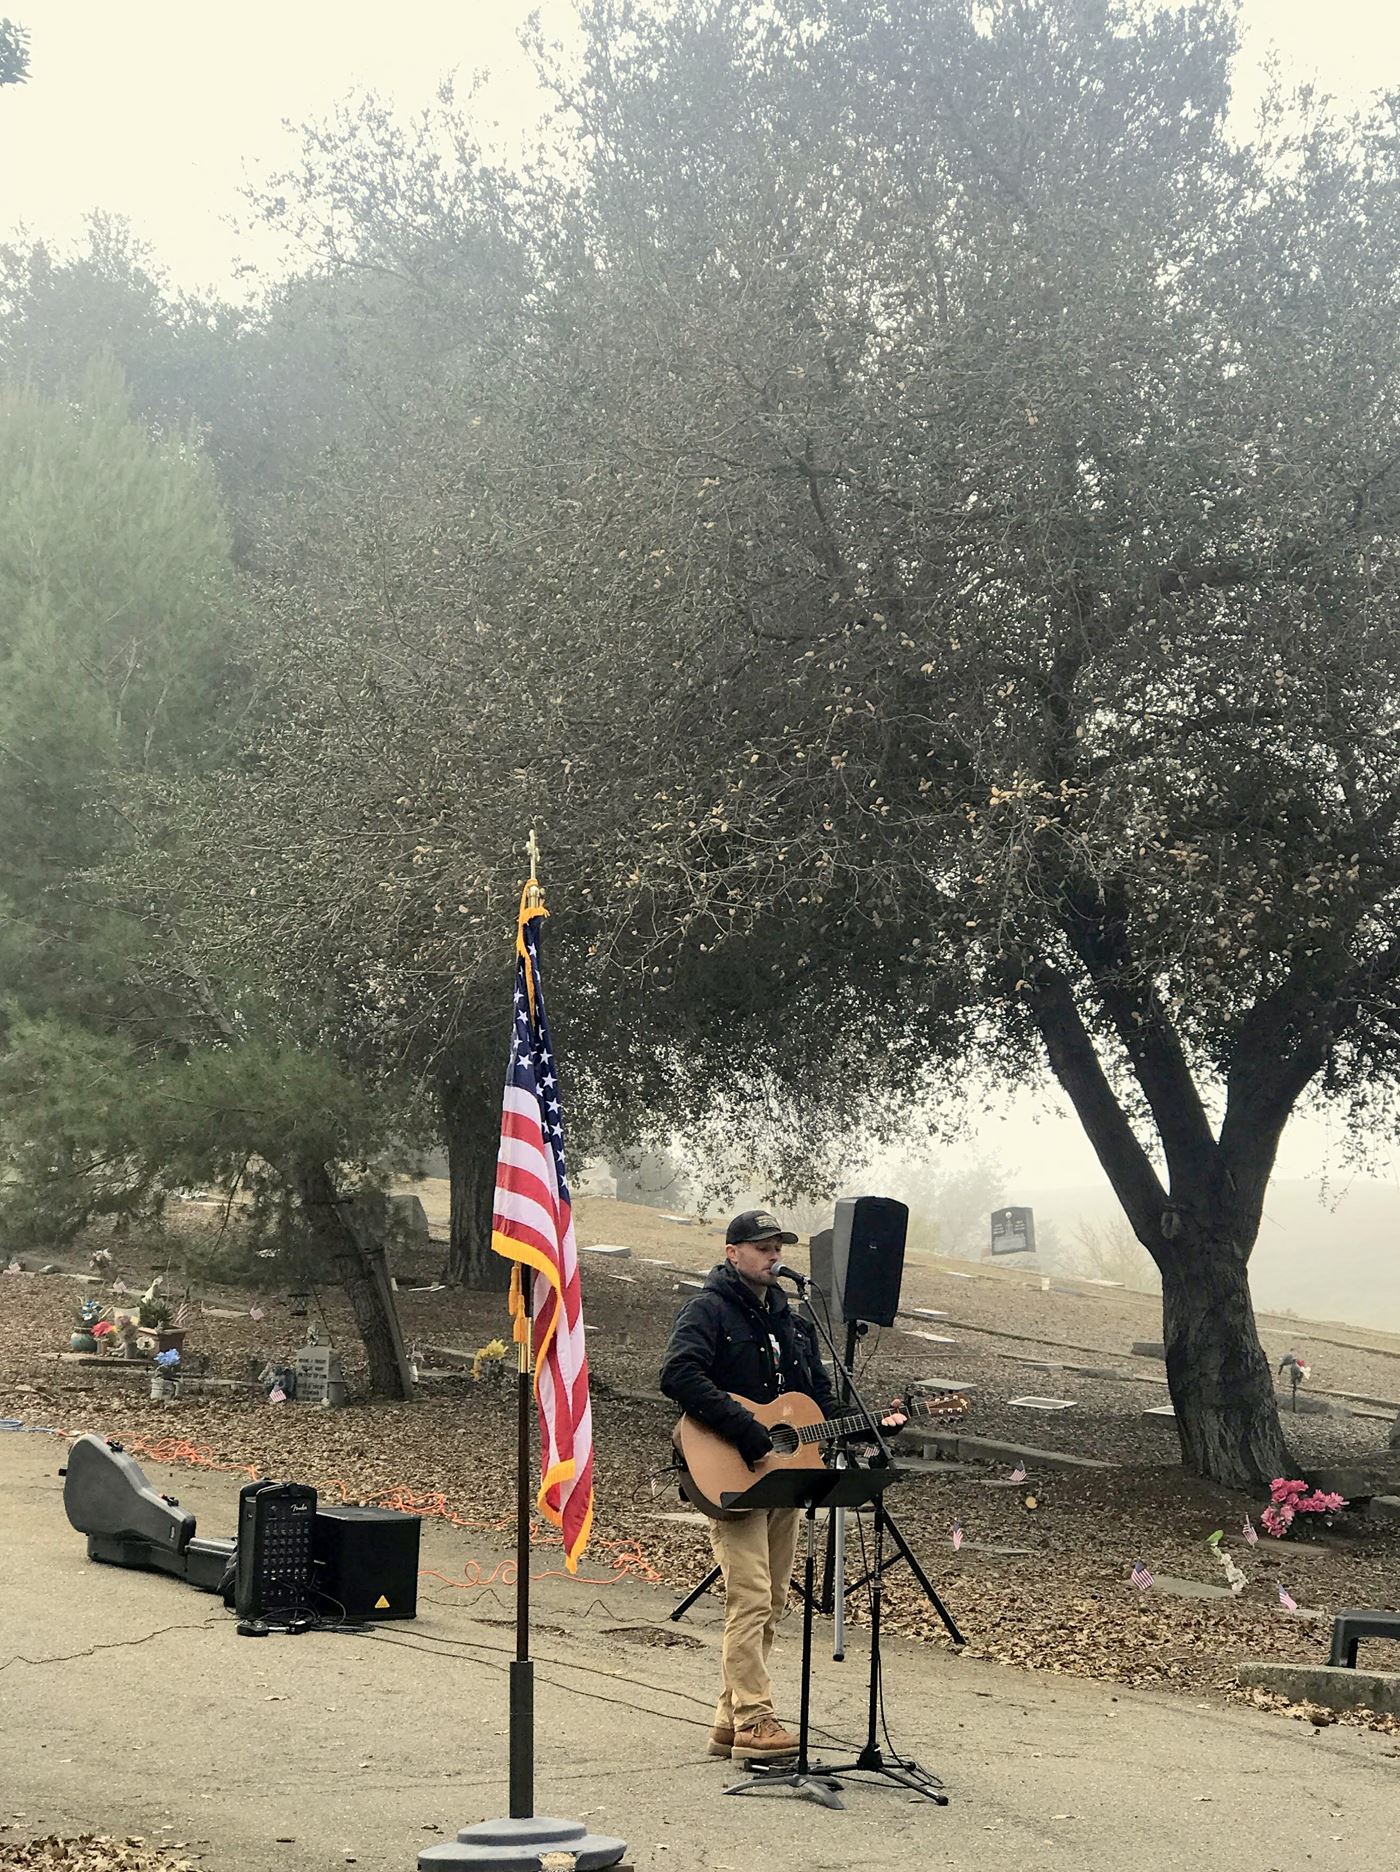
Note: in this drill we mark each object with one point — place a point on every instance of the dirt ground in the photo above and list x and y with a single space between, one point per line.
1059 1601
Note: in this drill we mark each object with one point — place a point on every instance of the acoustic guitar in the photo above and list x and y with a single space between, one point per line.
713 1468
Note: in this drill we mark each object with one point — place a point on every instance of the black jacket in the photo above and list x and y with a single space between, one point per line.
724 1340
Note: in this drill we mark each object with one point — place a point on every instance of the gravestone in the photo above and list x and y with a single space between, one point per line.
320 1378
409 1217
1042 1403
1180 1588
1012 1232
609 1251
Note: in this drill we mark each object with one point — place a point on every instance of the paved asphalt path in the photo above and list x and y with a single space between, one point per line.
128 1704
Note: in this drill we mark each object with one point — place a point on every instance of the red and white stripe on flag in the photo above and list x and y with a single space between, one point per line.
532 1226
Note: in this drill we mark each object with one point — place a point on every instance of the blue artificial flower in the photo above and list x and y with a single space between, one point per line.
168 1360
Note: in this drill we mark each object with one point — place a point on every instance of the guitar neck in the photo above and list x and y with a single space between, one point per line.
830 1427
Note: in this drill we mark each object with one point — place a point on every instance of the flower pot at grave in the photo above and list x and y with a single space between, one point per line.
170 1339
82 1342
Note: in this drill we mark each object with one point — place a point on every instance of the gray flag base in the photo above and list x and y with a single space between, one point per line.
509 1845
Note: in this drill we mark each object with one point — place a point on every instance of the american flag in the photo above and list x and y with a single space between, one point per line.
1286 1599
1140 1576
957 1535
532 1225
1250 1532
1018 1474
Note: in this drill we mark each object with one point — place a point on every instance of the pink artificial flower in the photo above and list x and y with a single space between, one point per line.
1282 1489
1276 1521
1318 1503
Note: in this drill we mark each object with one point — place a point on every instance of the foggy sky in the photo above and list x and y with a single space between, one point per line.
158 112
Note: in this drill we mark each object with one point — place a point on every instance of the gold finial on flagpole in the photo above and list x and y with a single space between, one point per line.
533 895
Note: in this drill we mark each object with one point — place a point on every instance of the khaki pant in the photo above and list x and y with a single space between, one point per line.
755 1554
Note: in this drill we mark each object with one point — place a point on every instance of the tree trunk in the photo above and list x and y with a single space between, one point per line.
1220 1380
337 1227
471 1122
1200 1234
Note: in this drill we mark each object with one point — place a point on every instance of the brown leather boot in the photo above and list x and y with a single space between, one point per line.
721 1742
763 1741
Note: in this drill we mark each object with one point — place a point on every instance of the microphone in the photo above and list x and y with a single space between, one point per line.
787 1273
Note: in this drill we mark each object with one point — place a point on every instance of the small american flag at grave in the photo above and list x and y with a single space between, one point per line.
1140 1576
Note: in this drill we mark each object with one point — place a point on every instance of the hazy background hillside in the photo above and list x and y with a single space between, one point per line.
1327 1251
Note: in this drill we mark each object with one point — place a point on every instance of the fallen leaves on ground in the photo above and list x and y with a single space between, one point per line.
1064 1606
91 1852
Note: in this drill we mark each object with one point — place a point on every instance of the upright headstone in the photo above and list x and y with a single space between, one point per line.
1013 1232
410 1217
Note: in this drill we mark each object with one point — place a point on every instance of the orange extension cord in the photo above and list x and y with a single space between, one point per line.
625 1557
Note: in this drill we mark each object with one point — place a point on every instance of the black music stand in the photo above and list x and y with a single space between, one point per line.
808 1489
901 1769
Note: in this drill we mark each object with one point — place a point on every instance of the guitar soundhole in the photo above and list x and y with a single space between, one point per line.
784 1439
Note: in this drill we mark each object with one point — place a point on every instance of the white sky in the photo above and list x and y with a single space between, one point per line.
158 110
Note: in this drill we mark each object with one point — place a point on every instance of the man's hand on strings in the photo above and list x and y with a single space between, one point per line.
896 1417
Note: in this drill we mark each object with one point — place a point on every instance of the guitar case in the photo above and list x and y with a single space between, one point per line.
107 1497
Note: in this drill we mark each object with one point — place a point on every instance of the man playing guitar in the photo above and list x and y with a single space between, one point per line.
741 1335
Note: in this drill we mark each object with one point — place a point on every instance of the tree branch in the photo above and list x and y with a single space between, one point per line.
1046 993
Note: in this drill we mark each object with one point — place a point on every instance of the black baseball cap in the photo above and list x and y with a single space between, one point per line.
757 1225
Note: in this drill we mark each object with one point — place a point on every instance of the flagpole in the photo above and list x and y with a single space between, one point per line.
522 1671
525 1840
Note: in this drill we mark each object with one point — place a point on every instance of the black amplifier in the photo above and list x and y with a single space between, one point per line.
367 1562
272 1561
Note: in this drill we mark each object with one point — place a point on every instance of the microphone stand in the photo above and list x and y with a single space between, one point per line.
884 1456
902 1770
